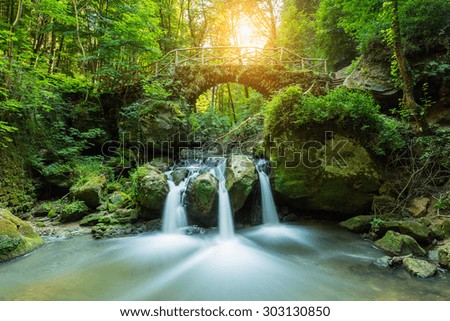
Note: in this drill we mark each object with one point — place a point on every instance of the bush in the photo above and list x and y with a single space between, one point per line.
352 111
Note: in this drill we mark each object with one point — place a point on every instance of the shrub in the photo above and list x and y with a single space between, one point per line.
351 111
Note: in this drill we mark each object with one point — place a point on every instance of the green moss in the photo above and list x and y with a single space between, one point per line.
399 244
444 255
358 224
40 224
149 187
16 188
16 237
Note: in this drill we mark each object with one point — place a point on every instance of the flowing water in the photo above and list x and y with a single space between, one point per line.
307 261
311 261
269 210
174 215
226 225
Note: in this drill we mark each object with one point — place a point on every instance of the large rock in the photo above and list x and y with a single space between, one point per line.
90 191
398 244
374 76
358 224
420 268
152 123
16 237
440 228
201 196
241 179
151 189
72 212
418 231
316 172
444 255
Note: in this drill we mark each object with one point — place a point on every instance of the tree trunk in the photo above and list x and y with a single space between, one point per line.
11 41
230 97
406 74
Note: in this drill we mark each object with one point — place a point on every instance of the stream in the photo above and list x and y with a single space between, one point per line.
307 261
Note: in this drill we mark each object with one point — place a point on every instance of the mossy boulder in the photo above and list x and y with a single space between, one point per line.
154 123
72 212
119 200
358 224
440 228
201 196
16 237
321 171
92 219
398 244
420 268
241 179
162 163
444 255
89 190
179 174
417 230
151 188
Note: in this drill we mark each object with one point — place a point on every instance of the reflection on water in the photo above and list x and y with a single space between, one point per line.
309 262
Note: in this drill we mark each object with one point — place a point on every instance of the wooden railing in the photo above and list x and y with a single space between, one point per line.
216 56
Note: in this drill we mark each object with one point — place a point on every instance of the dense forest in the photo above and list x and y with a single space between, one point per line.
79 103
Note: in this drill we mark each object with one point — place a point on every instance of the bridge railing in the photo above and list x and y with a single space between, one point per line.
231 55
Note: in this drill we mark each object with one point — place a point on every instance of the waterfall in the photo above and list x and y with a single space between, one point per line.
174 215
226 225
269 211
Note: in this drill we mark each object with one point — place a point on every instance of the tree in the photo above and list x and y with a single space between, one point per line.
405 71
265 15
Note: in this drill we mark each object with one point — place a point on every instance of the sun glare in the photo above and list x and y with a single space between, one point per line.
248 35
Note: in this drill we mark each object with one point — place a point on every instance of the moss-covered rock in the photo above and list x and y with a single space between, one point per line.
90 190
152 122
150 188
444 255
92 219
398 244
241 179
162 163
119 200
16 237
420 268
440 228
179 174
358 224
72 212
201 196
418 231
317 171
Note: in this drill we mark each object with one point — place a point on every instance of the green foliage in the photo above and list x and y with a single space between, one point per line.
5 128
64 207
350 110
443 203
332 39
376 224
90 167
297 29
435 148
208 126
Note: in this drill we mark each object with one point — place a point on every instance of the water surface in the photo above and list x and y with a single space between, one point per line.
311 261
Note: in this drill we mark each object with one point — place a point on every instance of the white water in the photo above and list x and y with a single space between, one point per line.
174 215
269 211
226 225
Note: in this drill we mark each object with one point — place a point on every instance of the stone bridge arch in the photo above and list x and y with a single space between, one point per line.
195 80
266 70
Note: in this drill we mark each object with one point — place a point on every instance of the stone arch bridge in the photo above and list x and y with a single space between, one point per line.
195 70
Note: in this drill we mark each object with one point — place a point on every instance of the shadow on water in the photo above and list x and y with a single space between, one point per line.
310 262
